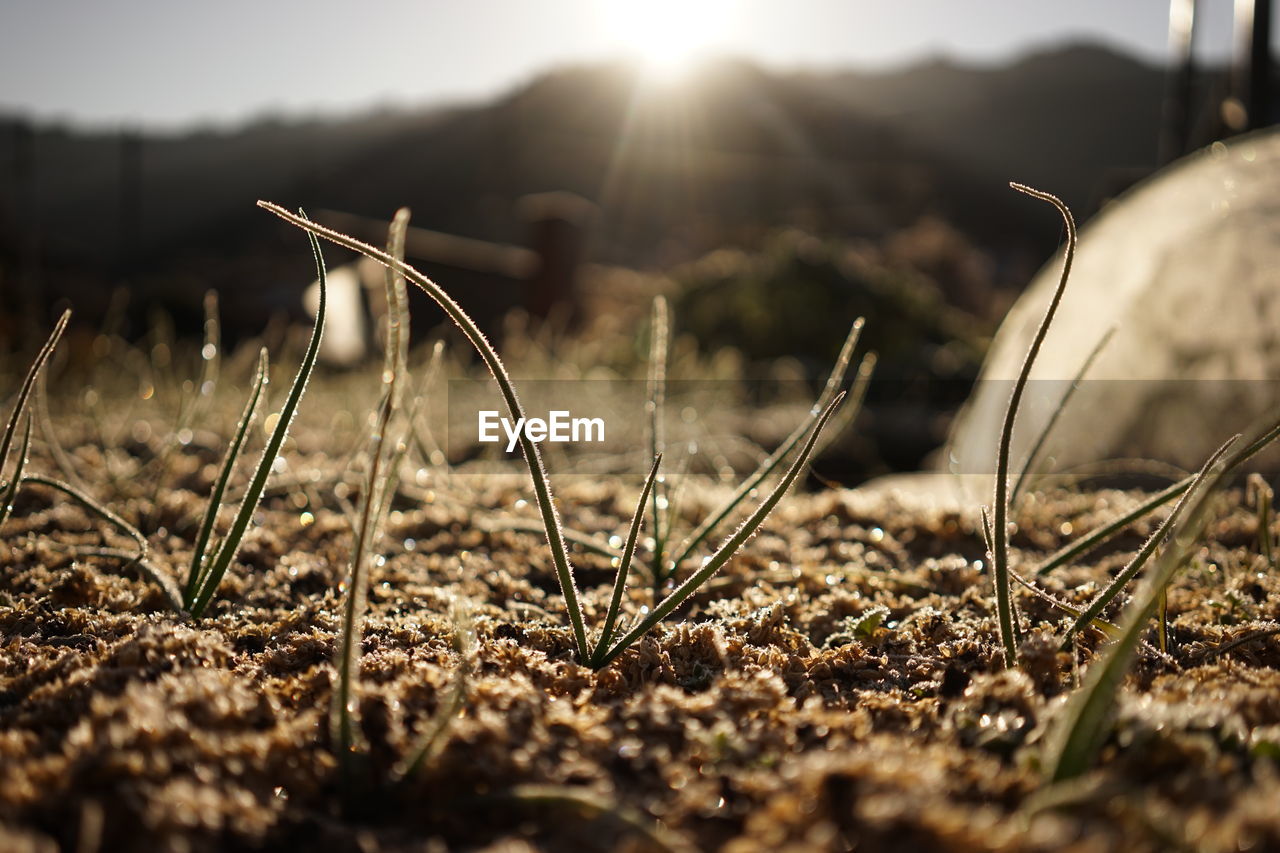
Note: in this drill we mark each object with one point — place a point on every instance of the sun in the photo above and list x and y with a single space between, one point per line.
666 36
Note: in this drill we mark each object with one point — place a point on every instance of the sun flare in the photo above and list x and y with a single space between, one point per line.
666 36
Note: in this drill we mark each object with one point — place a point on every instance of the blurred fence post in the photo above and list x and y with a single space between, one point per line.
557 235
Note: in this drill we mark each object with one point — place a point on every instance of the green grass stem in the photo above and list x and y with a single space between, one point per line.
395 370
1079 733
1131 569
655 406
226 552
1092 540
532 457
628 552
9 489
197 574
713 563
1000 507
1033 455
713 521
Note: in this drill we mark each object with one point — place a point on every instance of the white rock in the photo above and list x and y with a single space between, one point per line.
1186 267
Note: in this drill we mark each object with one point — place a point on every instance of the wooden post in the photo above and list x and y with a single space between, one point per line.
557 232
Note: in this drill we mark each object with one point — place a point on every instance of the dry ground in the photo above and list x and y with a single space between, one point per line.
769 714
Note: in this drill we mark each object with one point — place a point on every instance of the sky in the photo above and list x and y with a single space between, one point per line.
171 64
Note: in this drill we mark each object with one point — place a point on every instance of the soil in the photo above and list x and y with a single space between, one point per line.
838 686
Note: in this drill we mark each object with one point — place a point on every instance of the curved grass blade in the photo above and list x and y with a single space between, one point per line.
1058 604
60 456
628 552
24 392
1000 506
150 572
11 490
532 456
395 367
1033 456
1088 542
1121 580
1082 729
227 550
852 405
159 578
769 465
424 441
728 549
197 575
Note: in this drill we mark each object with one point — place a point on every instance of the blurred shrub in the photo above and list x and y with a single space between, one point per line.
798 295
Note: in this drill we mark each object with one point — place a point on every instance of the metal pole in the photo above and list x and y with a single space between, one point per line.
1259 101
1176 130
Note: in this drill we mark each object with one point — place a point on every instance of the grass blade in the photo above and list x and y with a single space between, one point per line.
1263 495
628 552
395 367
1000 506
532 457
24 392
424 441
196 574
227 551
1088 542
43 417
1079 733
729 548
1121 580
171 592
396 359
1037 448
1058 604
852 404
769 465
11 490
656 391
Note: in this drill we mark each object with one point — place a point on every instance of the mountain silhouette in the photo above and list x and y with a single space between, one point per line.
673 172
